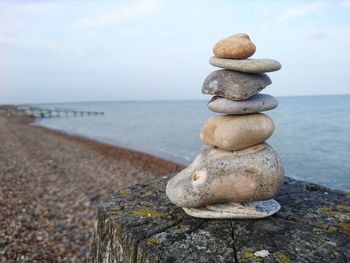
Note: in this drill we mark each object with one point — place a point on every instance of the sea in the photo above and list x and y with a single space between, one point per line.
312 133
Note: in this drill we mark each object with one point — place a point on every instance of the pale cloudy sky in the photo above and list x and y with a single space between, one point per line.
60 50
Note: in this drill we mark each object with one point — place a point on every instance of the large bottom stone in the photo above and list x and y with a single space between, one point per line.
218 176
251 210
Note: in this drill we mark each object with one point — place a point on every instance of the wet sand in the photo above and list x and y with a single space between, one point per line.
51 184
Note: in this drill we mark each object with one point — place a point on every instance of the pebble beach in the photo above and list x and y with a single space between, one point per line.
51 184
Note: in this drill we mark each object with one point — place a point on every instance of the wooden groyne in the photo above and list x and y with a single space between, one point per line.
140 224
42 112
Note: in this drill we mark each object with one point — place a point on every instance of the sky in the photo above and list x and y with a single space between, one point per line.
67 51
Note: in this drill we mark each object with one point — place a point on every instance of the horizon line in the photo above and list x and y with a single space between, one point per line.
160 100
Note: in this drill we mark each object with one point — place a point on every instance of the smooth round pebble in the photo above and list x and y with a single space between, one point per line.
246 65
236 132
255 104
237 46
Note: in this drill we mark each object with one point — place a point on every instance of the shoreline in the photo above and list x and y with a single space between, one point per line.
109 149
102 147
51 184
166 158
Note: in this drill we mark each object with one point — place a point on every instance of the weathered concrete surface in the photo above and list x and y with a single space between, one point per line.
139 224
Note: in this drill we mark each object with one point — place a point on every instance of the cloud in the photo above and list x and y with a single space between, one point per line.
302 10
345 3
133 11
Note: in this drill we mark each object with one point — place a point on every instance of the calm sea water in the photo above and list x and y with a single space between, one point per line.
312 133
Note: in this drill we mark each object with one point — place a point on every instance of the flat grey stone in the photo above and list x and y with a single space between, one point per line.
255 104
218 176
246 65
234 85
251 210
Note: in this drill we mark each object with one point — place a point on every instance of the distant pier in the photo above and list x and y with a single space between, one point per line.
43 112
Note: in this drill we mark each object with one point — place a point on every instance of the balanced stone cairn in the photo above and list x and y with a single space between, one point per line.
236 174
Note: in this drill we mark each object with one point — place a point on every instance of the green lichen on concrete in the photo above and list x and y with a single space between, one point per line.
152 241
330 228
125 192
281 257
344 207
148 212
118 228
341 211
116 211
247 255
345 227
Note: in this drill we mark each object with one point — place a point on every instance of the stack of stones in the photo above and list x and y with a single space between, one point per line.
236 174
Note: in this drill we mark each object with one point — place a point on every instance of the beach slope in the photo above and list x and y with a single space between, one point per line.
51 184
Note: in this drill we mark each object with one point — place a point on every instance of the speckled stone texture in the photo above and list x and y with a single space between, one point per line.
257 103
140 224
246 65
218 176
234 85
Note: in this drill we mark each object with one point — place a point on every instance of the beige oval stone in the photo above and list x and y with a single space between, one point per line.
218 176
231 133
238 46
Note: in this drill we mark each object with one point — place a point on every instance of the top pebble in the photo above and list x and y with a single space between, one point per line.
238 46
